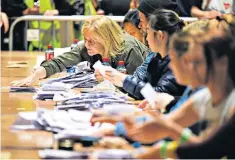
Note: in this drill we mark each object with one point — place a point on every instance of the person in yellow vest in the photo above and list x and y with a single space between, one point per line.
73 7
47 34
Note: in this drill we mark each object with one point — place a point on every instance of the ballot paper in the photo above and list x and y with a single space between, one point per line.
149 94
93 100
81 79
17 66
49 95
22 89
115 109
112 154
17 62
83 66
62 154
25 121
98 65
56 86
85 135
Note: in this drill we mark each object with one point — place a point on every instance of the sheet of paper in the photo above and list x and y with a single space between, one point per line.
149 94
17 62
17 66
98 65
120 108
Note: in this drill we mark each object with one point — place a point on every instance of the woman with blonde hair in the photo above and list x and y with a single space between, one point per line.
103 37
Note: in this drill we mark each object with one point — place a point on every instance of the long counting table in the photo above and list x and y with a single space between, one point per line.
20 144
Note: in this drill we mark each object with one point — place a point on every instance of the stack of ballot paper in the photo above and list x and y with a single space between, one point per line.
93 100
53 120
112 154
84 79
63 154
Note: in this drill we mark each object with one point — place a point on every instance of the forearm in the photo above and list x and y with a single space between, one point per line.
133 85
40 73
196 12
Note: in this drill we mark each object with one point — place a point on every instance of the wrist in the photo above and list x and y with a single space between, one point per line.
40 73
185 136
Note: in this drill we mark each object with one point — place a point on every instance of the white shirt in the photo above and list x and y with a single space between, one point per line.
215 115
223 6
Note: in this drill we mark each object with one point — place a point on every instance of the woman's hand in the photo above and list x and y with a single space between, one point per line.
98 76
150 132
28 81
212 14
117 78
160 101
54 12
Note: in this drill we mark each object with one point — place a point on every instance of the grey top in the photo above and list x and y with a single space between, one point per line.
133 55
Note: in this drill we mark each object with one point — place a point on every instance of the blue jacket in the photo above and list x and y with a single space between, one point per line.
158 74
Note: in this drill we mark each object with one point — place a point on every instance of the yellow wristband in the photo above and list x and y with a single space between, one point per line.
171 148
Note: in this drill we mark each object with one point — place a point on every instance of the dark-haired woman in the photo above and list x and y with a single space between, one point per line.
130 24
212 66
155 69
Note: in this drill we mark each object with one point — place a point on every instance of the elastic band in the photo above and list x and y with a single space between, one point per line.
120 129
185 135
163 149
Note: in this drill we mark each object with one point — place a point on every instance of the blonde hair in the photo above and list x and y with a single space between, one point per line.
184 40
196 27
107 32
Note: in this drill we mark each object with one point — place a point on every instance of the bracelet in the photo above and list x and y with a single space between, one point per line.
163 149
171 148
120 129
185 135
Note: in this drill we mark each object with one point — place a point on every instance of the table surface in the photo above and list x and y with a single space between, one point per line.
20 144
17 144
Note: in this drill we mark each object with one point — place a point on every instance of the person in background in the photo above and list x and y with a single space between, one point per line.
165 101
147 7
208 148
134 4
214 8
4 23
131 22
184 7
14 9
162 24
214 55
115 7
103 37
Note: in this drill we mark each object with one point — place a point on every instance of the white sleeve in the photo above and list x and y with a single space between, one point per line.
201 100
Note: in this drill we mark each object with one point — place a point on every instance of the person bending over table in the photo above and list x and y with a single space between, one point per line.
103 37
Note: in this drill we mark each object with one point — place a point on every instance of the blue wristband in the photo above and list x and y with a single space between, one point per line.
120 129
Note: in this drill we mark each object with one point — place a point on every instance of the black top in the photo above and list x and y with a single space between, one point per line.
64 7
159 75
221 144
13 8
184 7
115 7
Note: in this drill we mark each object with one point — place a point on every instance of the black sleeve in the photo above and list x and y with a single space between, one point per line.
221 144
13 8
166 84
172 103
64 7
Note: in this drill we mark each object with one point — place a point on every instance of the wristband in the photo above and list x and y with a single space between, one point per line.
163 149
120 129
171 148
185 135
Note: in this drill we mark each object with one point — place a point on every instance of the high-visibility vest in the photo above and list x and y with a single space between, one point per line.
46 27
